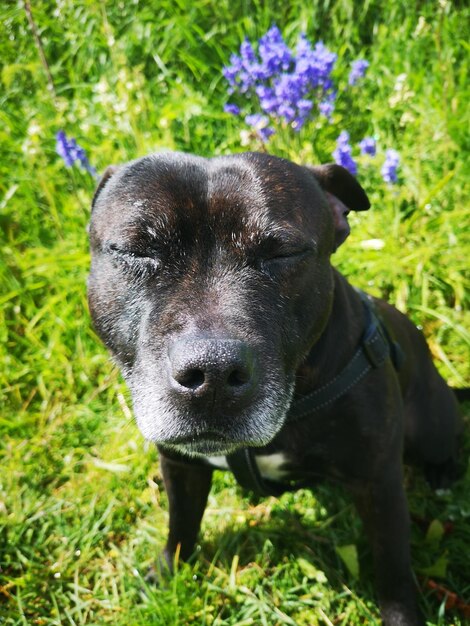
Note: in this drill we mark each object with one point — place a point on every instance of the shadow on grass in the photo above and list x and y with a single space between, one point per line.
287 534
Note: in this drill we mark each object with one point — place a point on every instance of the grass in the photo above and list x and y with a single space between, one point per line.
82 510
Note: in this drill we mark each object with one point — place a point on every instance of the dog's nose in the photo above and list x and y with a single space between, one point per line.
221 369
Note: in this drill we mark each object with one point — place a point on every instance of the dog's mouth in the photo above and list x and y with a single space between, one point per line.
204 444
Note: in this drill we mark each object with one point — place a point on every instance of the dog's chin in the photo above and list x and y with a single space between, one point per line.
204 447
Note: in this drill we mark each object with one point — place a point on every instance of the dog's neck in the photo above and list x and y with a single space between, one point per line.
338 341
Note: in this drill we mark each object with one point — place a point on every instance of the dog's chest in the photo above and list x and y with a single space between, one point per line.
270 466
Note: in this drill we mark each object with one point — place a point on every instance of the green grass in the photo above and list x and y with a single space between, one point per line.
82 510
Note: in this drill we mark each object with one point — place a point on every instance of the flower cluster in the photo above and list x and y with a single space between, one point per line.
288 86
343 156
71 152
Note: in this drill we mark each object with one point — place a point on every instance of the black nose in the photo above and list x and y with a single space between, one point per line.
219 369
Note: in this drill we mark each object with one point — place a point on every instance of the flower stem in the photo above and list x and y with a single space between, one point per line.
40 48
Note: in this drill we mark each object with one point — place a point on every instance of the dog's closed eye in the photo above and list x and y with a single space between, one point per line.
140 261
285 257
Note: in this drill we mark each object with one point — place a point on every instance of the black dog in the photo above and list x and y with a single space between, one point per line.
211 285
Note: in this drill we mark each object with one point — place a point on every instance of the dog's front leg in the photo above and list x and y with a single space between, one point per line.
187 487
384 511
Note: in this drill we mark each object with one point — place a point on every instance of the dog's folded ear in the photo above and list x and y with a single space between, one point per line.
109 171
343 193
338 181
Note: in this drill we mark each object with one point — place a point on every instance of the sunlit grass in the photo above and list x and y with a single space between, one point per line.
82 509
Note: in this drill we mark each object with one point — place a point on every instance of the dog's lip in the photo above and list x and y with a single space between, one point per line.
205 436
207 443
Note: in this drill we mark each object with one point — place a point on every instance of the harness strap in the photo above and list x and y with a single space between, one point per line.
375 347
373 350
245 469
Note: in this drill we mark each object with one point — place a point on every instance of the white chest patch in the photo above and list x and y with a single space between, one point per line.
269 465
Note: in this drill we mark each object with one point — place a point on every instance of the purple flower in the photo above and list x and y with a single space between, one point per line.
247 53
304 107
233 109
241 74
274 53
390 166
313 66
259 123
287 92
63 149
266 133
230 72
342 154
71 152
358 69
256 120
267 99
368 146
327 106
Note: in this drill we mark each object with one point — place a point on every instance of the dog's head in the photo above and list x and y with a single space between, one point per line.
210 281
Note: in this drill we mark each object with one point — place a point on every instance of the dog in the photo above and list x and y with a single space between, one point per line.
211 284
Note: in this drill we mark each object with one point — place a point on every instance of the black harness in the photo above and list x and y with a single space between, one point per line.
375 347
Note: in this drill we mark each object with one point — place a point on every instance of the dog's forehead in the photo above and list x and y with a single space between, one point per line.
245 195
258 188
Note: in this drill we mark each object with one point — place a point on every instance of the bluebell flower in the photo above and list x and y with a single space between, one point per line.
288 92
247 53
256 119
233 109
71 152
63 149
241 74
314 65
230 72
265 133
358 70
267 99
327 105
275 54
390 166
304 107
368 146
260 124
342 154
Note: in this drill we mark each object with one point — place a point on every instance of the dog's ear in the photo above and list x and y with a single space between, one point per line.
343 193
109 171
